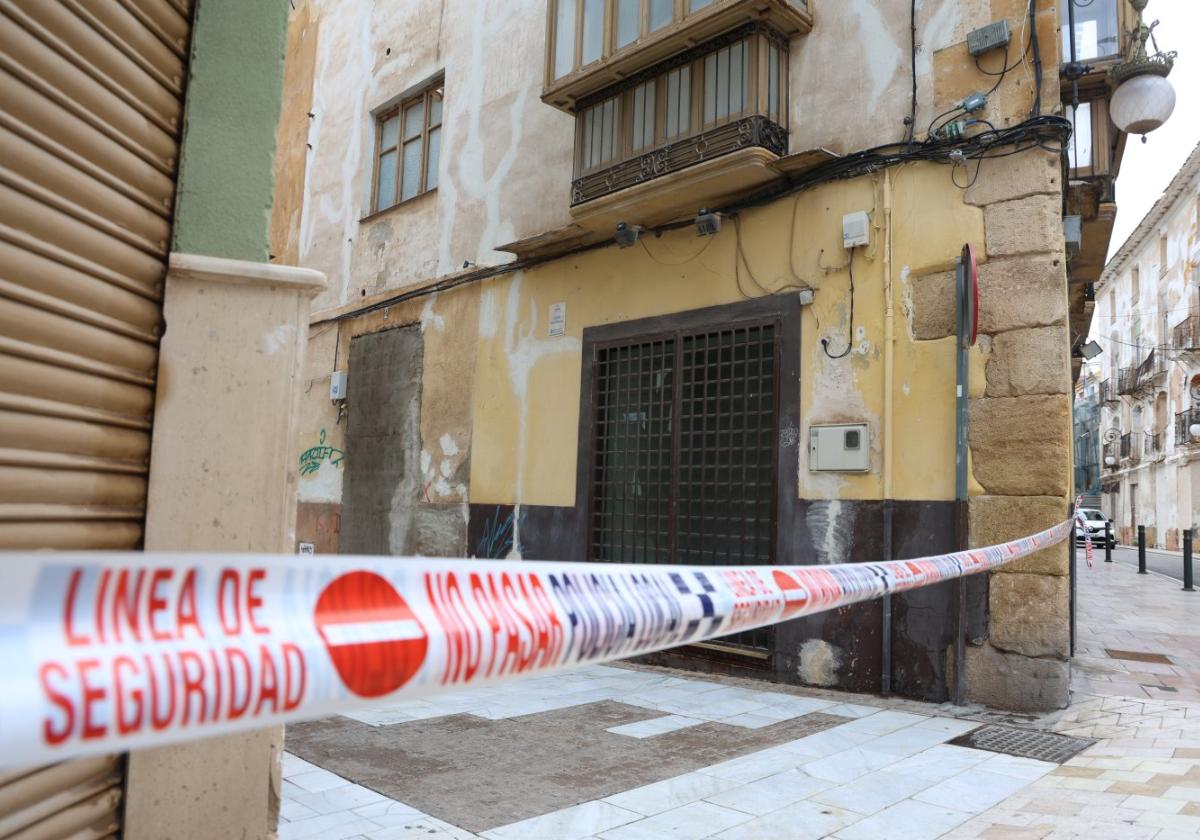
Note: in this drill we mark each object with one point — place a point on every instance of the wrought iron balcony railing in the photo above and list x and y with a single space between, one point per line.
1185 336
1184 420
1127 380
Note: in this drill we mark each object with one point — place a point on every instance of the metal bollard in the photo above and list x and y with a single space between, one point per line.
1187 562
1141 549
1107 541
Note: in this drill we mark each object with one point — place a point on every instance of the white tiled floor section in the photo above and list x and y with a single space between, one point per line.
886 773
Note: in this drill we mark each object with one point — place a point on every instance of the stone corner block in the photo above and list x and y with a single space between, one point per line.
1032 172
999 519
1021 446
1030 225
1031 360
1017 683
931 310
1023 291
1030 615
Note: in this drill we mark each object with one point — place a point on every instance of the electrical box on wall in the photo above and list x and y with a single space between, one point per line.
856 229
990 37
844 447
337 385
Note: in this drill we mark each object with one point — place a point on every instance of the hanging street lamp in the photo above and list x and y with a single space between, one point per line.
1144 99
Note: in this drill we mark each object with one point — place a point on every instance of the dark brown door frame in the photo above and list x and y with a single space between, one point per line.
783 311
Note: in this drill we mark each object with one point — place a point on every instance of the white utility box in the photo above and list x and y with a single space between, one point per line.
844 447
337 385
856 229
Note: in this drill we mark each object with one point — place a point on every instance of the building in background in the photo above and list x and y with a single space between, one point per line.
1147 319
632 282
1086 422
137 404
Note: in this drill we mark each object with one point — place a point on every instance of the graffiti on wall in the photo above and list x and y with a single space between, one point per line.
496 536
312 458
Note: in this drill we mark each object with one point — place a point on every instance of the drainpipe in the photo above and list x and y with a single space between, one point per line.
889 361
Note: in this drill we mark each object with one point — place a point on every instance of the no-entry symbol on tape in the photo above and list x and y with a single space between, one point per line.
375 641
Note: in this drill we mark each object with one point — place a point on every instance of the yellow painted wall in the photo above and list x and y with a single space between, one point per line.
526 397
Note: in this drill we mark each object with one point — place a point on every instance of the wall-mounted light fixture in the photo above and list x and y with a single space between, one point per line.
1091 350
627 235
1144 99
707 222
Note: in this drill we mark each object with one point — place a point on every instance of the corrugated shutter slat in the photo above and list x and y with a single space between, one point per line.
90 114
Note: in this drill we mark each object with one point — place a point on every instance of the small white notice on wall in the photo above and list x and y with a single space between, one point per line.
306 548
558 318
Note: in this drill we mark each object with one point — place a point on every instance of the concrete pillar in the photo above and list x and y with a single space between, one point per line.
223 479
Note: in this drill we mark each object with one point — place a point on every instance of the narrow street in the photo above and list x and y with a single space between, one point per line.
1163 562
624 752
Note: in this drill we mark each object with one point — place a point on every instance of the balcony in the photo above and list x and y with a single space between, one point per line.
1184 420
594 44
1127 380
1145 377
1111 451
689 132
1108 394
1185 336
1153 444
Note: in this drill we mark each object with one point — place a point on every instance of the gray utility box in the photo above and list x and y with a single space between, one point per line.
843 447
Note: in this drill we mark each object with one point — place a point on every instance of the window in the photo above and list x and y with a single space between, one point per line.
1095 29
684 450
735 82
1163 261
1135 285
408 139
585 31
1079 148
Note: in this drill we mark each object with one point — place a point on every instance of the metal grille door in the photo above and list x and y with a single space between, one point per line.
632 486
700 491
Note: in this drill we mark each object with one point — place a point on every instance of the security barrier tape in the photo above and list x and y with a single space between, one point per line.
106 652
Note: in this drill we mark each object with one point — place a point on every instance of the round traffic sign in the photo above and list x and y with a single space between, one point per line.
376 642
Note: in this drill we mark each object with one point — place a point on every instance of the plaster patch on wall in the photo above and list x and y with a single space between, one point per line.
819 662
337 204
906 389
524 350
324 485
489 312
882 59
449 447
830 530
277 339
431 318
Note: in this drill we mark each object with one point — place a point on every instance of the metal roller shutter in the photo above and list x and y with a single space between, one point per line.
91 98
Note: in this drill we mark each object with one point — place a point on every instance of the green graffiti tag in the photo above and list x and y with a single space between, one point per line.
311 458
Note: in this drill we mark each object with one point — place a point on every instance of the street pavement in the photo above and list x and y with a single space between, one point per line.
1163 562
629 752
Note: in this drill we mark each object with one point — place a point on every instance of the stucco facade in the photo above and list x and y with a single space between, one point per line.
1146 318
497 461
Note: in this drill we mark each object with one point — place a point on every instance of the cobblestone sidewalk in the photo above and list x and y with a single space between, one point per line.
625 753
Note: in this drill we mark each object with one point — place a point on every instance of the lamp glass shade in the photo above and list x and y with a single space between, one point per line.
1142 104
1194 430
1110 460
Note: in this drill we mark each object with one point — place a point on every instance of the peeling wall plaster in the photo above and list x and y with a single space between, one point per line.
505 167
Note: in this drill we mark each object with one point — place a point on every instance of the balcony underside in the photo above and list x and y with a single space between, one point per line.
680 193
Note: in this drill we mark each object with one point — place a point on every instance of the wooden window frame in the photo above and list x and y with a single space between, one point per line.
425 96
756 101
680 12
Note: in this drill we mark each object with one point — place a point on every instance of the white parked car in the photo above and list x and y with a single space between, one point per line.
1094 525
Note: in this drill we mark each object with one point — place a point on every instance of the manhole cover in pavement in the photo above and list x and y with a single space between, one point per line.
1137 656
1025 743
